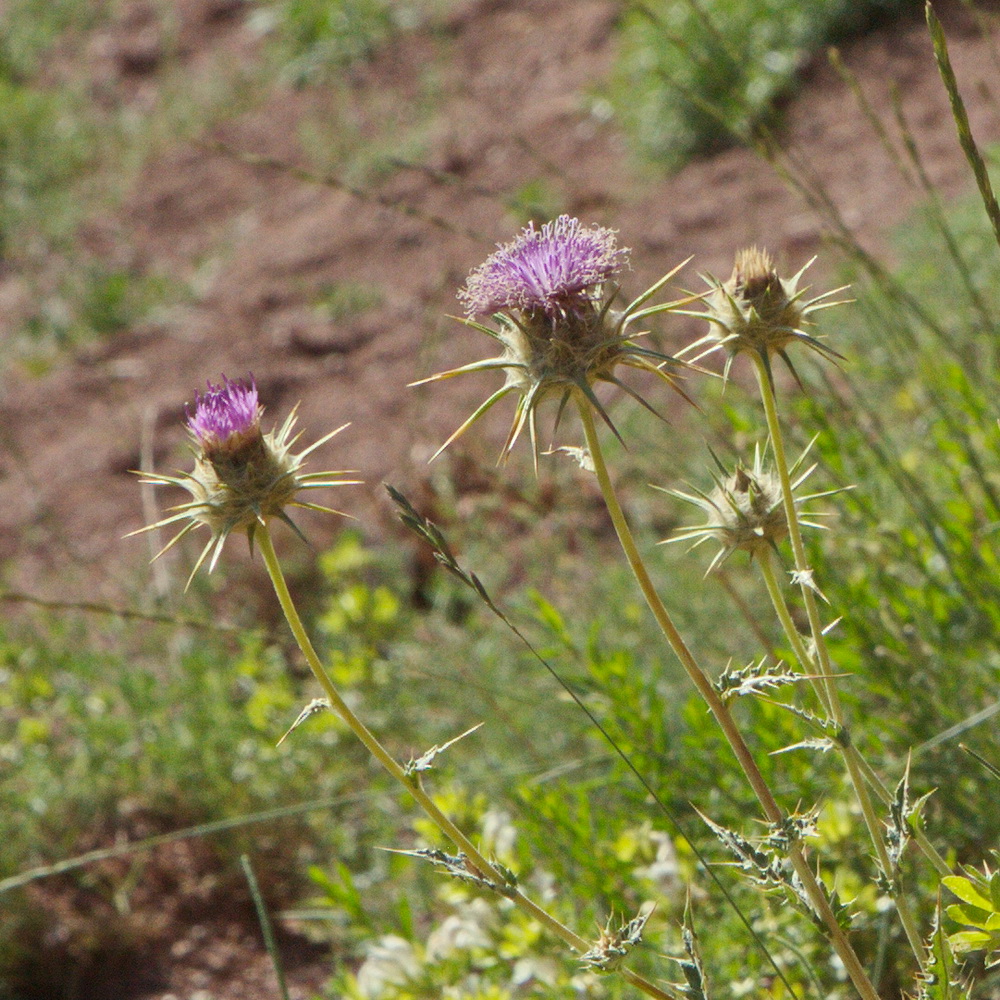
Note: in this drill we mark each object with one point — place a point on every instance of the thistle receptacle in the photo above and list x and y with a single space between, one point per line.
551 293
757 311
745 509
241 476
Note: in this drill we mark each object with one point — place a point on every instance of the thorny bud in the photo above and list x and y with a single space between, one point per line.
757 311
241 476
550 293
612 946
744 510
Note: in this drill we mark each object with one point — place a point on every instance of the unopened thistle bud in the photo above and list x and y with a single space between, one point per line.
744 511
550 293
757 311
241 476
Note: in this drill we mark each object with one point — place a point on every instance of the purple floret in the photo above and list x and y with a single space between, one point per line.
225 411
552 269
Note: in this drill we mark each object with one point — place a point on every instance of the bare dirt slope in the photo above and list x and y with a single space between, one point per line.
511 85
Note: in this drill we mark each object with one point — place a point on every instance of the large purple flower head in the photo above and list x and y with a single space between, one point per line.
225 417
551 293
553 269
242 477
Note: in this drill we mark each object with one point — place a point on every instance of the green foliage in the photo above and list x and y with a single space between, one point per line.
107 735
693 74
316 38
938 982
913 424
29 29
342 300
47 133
978 913
43 146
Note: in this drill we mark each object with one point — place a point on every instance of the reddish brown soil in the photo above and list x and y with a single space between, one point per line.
511 109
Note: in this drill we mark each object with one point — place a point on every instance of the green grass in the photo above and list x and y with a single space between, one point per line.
314 40
694 74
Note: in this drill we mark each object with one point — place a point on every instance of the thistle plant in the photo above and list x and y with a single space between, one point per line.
758 313
547 292
243 479
745 511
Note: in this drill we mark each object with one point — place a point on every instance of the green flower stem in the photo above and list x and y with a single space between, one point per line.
780 605
438 818
826 679
804 658
774 814
849 752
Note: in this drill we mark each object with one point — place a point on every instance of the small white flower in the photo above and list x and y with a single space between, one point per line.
466 930
499 834
391 962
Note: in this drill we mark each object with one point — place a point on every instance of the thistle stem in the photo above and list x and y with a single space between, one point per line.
473 856
774 814
826 681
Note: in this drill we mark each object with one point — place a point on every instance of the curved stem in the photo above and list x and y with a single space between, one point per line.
826 680
482 867
667 627
815 892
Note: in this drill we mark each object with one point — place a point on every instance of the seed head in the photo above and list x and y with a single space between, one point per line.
550 293
241 476
745 512
758 311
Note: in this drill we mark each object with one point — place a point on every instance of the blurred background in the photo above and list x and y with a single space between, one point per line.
297 189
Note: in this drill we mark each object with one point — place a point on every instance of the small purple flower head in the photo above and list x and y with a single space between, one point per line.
242 477
554 270
226 417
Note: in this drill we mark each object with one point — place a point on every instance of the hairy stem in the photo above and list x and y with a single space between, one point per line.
473 856
815 892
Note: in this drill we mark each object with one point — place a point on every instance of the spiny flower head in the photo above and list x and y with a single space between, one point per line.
759 312
241 476
745 511
550 293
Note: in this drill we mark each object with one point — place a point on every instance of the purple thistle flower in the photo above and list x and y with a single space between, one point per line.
552 269
225 416
242 477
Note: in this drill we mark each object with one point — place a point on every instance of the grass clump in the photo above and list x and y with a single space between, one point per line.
691 75
315 39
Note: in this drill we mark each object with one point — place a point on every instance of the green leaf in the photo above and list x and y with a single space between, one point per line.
969 940
967 892
963 915
937 979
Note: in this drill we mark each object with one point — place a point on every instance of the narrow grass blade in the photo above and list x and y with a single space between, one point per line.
958 112
148 843
265 926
